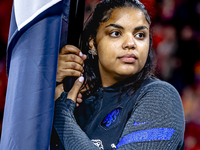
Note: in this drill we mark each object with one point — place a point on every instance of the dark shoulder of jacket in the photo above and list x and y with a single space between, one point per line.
151 84
147 84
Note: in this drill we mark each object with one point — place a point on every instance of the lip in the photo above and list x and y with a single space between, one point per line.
128 58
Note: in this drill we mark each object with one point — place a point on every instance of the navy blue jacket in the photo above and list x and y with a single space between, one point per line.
151 118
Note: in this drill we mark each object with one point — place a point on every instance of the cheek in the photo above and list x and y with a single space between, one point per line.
144 54
144 59
106 52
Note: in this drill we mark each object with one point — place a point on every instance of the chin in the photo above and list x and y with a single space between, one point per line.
127 72
122 76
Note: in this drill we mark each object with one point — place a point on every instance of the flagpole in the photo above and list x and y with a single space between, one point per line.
75 27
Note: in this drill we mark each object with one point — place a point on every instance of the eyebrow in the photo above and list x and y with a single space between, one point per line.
115 25
120 27
141 27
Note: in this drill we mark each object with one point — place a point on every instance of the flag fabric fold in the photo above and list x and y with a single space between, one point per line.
32 53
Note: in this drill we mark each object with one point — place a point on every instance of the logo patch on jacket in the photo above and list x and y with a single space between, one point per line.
98 143
112 119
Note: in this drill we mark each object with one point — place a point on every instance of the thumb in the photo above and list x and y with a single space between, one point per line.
75 89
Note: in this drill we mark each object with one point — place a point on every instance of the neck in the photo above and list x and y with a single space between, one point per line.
107 80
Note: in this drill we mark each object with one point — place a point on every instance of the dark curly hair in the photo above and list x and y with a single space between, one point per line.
101 14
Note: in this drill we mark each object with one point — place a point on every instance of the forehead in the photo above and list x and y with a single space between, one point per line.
126 16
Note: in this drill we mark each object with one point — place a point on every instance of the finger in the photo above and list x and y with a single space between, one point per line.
62 73
79 100
70 49
70 65
83 90
67 49
75 89
71 58
83 56
79 95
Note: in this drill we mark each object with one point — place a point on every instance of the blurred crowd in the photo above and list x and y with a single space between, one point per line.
176 42
176 34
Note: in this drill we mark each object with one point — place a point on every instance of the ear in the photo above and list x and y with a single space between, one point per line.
92 49
91 44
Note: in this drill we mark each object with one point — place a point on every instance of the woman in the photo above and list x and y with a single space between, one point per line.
124 105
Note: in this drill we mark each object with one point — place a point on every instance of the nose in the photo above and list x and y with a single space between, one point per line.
129 42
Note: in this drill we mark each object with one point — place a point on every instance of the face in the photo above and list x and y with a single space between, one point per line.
122 45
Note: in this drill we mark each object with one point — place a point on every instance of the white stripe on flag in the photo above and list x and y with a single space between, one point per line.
27 10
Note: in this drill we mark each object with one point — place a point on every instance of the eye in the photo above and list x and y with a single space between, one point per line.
140 35
115 34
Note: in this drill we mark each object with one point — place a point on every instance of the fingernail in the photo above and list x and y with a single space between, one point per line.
81 79
80 54
83 65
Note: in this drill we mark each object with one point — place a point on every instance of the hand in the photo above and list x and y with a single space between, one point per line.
74 92
70 62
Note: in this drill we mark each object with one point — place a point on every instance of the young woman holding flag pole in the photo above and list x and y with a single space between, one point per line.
122 105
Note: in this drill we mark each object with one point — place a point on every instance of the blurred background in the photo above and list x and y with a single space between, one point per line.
176 42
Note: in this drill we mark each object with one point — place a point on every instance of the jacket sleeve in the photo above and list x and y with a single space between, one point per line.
69 132
157 121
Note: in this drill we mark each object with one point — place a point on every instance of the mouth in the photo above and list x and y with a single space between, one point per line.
128 58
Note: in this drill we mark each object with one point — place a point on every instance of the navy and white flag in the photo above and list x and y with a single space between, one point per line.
32 54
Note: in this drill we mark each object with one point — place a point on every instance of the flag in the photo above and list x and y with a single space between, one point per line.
32 53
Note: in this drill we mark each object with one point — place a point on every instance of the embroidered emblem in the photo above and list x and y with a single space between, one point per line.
155 134
98 143
112 119
140 123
